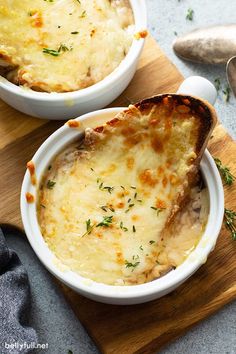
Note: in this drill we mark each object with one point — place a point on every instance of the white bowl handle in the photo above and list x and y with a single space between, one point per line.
200 87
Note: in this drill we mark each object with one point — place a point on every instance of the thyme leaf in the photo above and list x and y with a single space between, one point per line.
158 210
123 227
54 53
226 93
83 14
50 184
217 84
104 208
190 14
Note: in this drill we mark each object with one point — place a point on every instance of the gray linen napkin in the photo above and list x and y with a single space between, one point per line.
15 335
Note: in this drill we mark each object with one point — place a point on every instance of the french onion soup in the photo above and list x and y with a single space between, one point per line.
63 45
125 205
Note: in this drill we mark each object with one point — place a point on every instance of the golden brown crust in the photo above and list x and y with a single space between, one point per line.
29 198
31 168
73 123
202 109
141 34
186 106
6 63
207 119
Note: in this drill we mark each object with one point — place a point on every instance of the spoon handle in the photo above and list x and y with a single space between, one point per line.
200 87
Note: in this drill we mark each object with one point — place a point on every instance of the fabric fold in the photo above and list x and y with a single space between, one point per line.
15 335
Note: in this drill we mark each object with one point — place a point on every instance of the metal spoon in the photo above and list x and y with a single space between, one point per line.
231 73
209 45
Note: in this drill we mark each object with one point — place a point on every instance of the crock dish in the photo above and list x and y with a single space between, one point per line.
98 85
64 46
109 293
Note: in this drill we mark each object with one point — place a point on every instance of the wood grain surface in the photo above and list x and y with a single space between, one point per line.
143 328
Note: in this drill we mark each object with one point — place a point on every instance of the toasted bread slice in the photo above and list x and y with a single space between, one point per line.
178 127
134 173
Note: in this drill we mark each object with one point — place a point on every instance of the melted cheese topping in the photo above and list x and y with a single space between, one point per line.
105 204
63 45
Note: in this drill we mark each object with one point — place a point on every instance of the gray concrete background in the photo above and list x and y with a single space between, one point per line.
168 16
51 315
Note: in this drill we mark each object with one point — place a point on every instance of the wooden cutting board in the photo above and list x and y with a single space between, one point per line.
143 328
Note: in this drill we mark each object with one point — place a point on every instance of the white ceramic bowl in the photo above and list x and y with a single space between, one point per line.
107 293
72 104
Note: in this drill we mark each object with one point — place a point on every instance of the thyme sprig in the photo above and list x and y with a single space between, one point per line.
190 14
56 53
89 227
230 222
158 210
226 175
106 222
104 188
133 264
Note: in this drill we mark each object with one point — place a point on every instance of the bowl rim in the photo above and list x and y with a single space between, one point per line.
89 287
140 24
